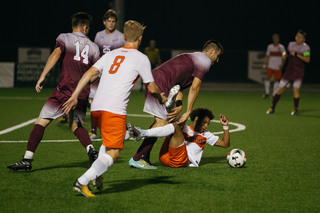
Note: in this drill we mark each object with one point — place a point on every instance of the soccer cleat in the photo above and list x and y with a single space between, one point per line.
136 132
126 137
92 136
140 164
63 119
83 189
265 96
93 155
294 112
172 95
24 164
270 111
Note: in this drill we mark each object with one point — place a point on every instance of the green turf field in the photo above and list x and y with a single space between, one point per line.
281 174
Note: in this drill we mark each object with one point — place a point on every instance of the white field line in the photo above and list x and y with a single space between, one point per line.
17 126
239 127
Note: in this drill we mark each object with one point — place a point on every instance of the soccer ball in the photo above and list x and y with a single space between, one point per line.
236 158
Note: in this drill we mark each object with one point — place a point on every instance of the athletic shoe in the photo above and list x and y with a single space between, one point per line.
265 96
92 154
140 164
294 112
172 95
92 136
63 119
24 164
136 132
270 111
83 189
127 135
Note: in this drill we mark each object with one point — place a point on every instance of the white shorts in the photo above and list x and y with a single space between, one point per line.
296 83
52 110
153 107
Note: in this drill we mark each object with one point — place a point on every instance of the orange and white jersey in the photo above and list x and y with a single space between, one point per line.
275 53
120 69
195 143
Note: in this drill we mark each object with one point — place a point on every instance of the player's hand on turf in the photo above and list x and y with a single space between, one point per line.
174 112
224 120
70 104
39 85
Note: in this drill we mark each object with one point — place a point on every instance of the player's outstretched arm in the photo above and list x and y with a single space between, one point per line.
73 100
225 141
52 60
192 97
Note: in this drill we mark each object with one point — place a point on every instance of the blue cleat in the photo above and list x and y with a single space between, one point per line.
140 164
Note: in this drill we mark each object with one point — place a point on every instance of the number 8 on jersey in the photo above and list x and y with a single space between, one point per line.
116 64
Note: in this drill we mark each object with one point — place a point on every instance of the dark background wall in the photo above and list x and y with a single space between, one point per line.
239 25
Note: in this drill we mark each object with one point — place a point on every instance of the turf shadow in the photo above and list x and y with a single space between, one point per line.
132 184
83 164
209 160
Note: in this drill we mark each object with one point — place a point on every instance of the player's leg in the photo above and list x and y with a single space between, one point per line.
174 152
76 124
277 77
158 132
147 145
112 132
296 96
267 83
34 139
93 131
276 97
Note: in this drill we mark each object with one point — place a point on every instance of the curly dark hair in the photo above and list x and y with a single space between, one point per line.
201 113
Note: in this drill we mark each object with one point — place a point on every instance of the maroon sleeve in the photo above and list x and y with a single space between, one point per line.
60 43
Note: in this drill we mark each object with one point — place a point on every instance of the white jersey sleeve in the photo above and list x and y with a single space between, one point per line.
145 71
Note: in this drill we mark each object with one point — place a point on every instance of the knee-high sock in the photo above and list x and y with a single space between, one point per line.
159 132
296 103
99 166
267 86
144 148
275 87
83 136
34 139
275 100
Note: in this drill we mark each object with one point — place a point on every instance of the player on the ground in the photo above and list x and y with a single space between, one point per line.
186 70
119 70
185 147
299 54
275 58
77 53
108 39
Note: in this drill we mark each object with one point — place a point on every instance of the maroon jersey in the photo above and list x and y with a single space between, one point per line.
79 53
295 67
181 70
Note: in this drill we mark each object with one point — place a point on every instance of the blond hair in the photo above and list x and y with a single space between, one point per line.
132 30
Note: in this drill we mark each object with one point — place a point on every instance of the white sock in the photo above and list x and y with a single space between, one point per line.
28 155
275 87
267 86
99 166
159 132
88 147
